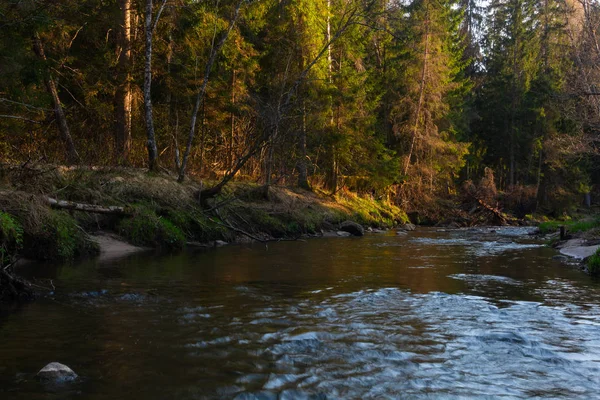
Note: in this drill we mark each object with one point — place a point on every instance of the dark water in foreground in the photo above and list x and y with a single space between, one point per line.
429 315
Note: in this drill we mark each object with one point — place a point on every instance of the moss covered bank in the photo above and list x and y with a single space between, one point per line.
156 211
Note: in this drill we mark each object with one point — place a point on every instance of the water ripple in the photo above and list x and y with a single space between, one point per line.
390 343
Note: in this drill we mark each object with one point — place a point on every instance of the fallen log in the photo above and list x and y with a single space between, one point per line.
497 213
90 208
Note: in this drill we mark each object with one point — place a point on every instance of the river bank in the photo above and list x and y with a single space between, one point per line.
57 213
577 239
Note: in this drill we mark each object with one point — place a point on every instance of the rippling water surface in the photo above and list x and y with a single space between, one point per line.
459 314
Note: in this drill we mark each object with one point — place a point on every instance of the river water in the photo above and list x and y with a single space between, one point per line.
429 315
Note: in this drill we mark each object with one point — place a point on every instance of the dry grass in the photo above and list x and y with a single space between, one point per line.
106 186
159 197
30 209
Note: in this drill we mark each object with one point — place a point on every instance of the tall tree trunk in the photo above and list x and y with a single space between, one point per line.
512 127
575 46
174 134
123 96
202 136
539 176
63 127
151 137
231 154
301 166
332 178
421 95
269 161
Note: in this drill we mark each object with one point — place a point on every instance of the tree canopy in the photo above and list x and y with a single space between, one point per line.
400 99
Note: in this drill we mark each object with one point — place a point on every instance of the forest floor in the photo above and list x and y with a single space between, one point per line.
45 212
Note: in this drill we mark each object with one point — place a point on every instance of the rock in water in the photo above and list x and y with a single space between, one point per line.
343 234
353 228
56 372
408 227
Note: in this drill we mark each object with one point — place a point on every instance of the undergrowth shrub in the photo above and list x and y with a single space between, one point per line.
572 226
519 200
58 238
11 238
593 263
145 228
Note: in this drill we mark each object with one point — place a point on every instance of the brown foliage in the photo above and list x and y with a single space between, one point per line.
520 200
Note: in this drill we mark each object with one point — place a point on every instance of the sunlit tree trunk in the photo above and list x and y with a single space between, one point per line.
302 167
123 97
422 83
150 134
230 151
333 176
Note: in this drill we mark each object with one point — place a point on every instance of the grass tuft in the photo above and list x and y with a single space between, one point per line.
11 238
572 226
593 263
145 228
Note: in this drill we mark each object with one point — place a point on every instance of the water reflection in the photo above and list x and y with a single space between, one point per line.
432 314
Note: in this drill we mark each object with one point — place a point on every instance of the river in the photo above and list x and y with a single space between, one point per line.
433 314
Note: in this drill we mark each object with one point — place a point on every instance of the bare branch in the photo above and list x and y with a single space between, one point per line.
160 10
5 100
213 56
21 118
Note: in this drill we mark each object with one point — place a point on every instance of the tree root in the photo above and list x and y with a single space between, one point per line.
13 288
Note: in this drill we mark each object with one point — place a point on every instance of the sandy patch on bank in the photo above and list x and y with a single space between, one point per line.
113 247
578 249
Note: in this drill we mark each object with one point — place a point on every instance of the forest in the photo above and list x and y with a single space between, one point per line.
407 101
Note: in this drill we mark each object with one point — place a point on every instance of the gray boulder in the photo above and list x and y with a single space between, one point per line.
408 227
56 372
343 233
353 228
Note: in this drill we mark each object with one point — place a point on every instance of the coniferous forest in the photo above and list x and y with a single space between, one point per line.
299 199
403 100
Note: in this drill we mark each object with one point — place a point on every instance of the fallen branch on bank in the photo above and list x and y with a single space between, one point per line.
497 213
227 224
90 208
238 230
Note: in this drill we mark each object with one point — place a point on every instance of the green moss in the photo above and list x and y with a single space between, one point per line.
550 226
310 220
593 263
60 238
572 226
170 235
181 219
368 211
262 221
11 238
145 228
